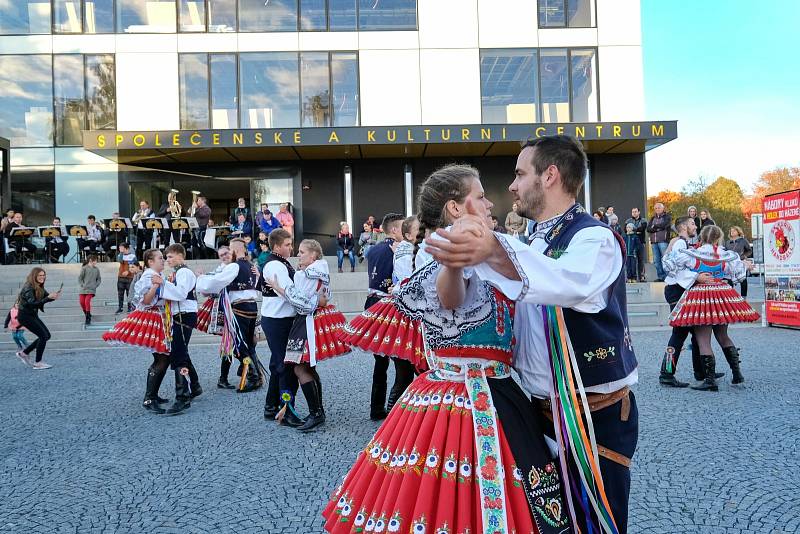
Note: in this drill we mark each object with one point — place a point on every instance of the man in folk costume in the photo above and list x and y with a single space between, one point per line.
236 283
277 317
178 291
573 351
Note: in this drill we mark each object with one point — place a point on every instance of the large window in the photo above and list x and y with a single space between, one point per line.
222 15
67 16
84 96
276 90
24 16
387 15
566 14
26 91
98 16
146 16
271 16
544 85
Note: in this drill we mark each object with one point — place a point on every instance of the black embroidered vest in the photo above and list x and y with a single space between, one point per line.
262 285
602 340
245 279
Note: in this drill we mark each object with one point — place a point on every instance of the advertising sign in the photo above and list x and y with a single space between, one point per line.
782 258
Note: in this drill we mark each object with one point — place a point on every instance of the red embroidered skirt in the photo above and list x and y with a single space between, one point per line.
141 328
384 329
327 322
711 304
204 317
417 472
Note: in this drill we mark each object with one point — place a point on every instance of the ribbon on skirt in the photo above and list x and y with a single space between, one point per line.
474 372
576 439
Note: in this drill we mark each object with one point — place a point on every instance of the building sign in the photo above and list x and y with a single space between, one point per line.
383 135
782 257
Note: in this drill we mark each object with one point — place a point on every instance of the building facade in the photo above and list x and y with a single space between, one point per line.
339 107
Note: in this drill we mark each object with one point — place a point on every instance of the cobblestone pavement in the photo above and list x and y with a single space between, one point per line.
79 454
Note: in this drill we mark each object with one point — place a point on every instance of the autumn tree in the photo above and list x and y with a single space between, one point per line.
775 181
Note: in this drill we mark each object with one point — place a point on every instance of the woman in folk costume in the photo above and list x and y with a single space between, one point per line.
148 327
463 450
710 308
383 328
312 338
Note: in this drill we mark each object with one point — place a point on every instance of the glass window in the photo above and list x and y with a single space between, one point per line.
24 17
193 87
68 97
67 16
98 16
342 15
101 92
315 84
566 13
584 86
344 76
224 101
555 84
387 15
268 16
509 87
33 193
312 15
146 16
222 15
26 91
270 92
192 15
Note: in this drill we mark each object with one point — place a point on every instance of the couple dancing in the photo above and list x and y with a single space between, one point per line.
465 450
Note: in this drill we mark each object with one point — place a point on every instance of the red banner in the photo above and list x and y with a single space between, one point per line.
782 258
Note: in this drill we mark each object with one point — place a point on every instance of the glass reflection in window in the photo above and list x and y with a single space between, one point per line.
267 15
146 16
26 91
315 84
580 13
101 92
221 15
555 84
67 16
68 96
387 15
269 90
509 87
312 15
342 15
584 86
224 101
98 16
344 77
21 17
192 15
566 13
193 88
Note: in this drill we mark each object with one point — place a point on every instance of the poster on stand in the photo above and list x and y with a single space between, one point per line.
782 258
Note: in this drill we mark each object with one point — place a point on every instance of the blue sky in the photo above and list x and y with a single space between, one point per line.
729 72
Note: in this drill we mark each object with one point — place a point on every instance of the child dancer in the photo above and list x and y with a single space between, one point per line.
89 280
312 338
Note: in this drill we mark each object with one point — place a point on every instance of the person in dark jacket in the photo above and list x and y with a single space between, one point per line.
30 302
660 230
705 220
739 244
639 228
345 246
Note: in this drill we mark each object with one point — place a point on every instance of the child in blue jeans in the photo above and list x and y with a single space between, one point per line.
17 332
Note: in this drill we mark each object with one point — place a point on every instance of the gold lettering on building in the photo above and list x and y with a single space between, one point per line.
333 137
465 134
599 129
445 134
176 139
391 135
118 139
408 135
158 141
427 134
486 133
617 130
580 131
195 139
215 138
101 141
560 130
540 131
504 132
297 139
257 138
277 139
238 138
636 130
371 136
138 140
657 130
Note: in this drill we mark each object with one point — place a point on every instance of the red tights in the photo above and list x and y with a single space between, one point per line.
86 302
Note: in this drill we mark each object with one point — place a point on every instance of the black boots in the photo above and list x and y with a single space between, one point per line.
377 411
316 414
223 383
668 366
182 394
253 379
88 318
224 369
289 417
732 355
151 398
709 383
194 381
697 364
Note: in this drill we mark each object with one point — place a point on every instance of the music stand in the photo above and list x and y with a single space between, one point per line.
117 226
18 235
222 233
77 230
157 224
179 224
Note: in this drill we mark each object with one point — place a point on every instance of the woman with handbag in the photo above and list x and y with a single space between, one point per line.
30 302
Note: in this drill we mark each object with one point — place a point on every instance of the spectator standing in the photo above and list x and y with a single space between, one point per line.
516 223
739 244
639 228
602 211
286 218
659 228
613 222
88 280
365 241
597 215
30 302
202 212
126 258
705 220
691 212
345 245
633 246
241 209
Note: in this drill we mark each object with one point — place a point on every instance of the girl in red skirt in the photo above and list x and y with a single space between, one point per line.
313 336
463 450
145 327
710 308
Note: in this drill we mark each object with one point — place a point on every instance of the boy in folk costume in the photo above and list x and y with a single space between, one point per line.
313 334
236 285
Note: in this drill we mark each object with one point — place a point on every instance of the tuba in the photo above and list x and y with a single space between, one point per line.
174 206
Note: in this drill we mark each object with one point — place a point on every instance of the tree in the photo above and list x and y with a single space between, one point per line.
774 181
